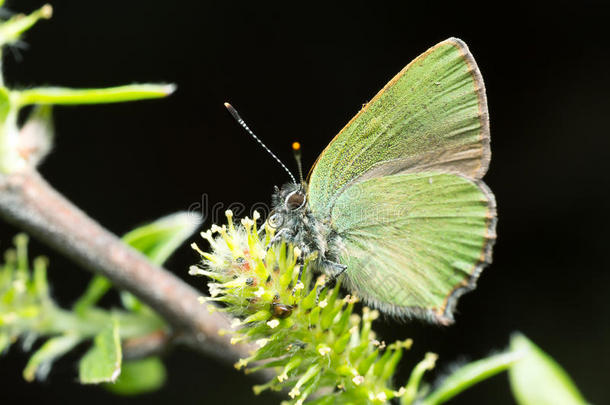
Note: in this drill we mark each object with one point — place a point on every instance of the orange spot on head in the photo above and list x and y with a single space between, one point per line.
296 146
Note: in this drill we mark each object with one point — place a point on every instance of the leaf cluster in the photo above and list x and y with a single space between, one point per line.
28 314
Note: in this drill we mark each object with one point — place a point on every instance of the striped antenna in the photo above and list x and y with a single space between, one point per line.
241 122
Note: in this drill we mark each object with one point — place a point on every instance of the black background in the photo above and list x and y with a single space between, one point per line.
297 71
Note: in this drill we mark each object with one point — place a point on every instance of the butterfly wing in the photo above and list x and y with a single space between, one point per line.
431 116
415 242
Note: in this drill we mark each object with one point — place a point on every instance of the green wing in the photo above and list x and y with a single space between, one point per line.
431 116
413 243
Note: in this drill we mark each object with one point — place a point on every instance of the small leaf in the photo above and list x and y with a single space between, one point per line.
470 374
132 303
98 286
5 342
139 377
102 363
5 103
538 380
159 239
41 361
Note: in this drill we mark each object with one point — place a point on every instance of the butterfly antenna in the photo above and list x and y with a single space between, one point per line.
241 122
296 149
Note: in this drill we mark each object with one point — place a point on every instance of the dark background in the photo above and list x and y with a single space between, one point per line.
297 71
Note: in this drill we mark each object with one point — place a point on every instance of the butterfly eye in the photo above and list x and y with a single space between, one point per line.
295 200
275 220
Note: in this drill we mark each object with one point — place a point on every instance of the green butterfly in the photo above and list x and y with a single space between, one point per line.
395 203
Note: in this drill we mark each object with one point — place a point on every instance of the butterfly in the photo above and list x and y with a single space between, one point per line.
395 204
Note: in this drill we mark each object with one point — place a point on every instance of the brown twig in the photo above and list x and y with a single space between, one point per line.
30 203
143 346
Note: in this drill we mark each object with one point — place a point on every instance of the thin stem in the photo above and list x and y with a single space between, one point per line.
29 202
90 323
141 335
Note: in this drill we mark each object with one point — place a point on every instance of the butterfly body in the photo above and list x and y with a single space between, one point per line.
395 202
295 223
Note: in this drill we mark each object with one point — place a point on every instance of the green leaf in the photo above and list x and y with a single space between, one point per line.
139 377
41 361
10 159
470 374
102 363
5 103
98 286
159 239
5 342
538 380
68 96
131 302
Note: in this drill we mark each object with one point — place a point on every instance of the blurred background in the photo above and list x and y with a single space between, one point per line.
299 72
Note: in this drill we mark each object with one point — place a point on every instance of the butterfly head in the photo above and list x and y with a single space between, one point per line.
290 198
289 202
296 200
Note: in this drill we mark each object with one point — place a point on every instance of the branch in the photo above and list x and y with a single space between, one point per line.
30 203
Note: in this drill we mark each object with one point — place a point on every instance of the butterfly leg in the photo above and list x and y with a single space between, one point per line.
300 263
337 270
282 234
305 251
